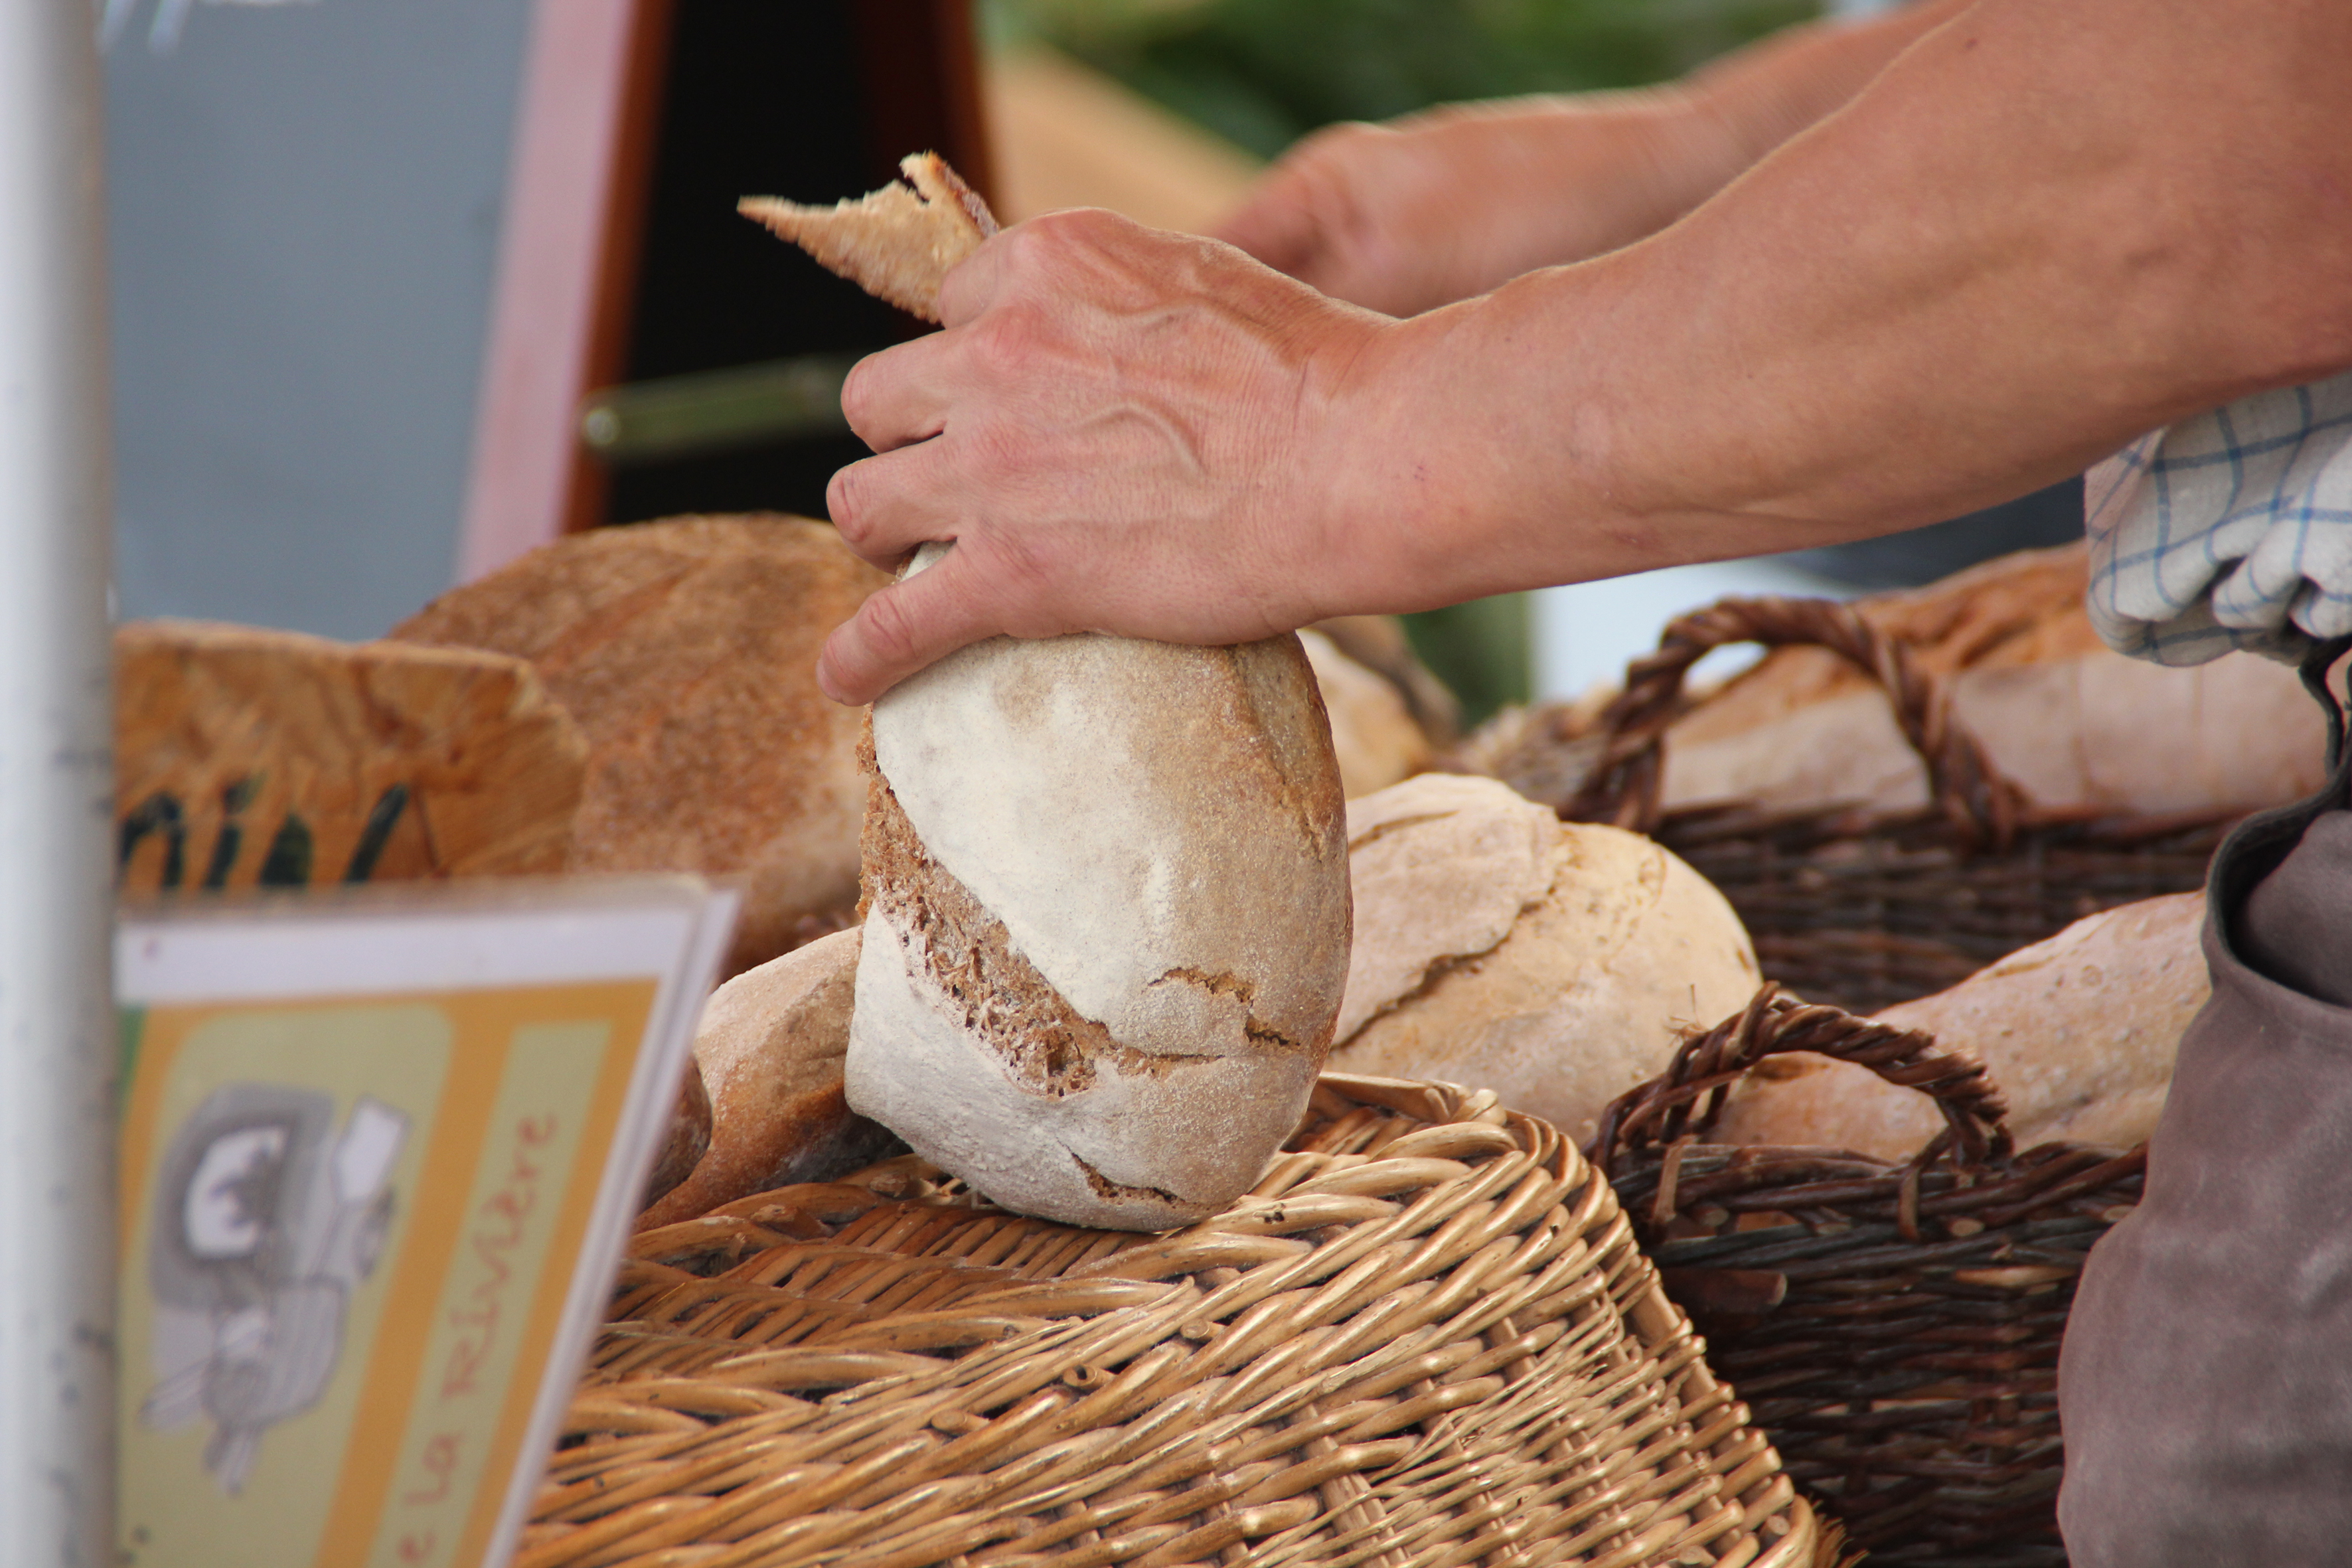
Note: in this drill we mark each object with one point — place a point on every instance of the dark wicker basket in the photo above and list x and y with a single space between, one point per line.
1857 907
1895 1328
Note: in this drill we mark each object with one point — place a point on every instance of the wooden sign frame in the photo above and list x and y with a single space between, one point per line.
594 78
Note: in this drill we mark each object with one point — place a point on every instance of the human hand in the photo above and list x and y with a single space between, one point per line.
1122 430
1402 218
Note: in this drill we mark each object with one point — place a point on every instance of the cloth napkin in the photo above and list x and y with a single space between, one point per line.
2232 530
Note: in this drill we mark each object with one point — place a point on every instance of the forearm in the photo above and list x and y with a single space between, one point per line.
2043 231
1586 173
1449 204
1759 97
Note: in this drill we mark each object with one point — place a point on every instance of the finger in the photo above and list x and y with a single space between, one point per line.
971 284
885 506
900 395
1277 225
901 629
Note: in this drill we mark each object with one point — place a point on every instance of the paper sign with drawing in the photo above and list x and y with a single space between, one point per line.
378 1156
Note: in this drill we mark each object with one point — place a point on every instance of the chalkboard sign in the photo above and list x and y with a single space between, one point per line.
304 208
369 257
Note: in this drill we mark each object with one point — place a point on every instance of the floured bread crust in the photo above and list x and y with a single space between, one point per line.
1495 946
1107 929
896 243
2079 1032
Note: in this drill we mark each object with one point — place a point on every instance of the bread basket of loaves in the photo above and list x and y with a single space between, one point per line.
1149 1287
1894 1321
1875 863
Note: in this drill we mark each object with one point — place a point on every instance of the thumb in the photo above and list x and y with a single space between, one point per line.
901 629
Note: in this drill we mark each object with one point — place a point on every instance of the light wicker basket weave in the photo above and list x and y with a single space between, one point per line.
1426 1339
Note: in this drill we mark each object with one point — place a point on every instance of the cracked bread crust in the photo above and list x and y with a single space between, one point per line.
1047 1047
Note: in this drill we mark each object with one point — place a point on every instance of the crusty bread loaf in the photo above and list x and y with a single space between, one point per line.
687 652
245 756
688 1139
893 243
2072 722
1108 920
769 1048
1556 964
1373 733
2079 1032
1106 887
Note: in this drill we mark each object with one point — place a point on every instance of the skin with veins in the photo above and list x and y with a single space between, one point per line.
1992 266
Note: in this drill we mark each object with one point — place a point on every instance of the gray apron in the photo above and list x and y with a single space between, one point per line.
2205 1385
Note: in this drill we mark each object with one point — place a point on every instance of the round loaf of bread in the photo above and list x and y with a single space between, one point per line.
685 651
1106 926
1557 963
1373 731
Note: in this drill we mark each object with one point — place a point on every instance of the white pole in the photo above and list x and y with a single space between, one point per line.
56 1029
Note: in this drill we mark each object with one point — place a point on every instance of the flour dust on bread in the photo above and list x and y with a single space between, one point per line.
896 243
1557 963
1107 880
1108 920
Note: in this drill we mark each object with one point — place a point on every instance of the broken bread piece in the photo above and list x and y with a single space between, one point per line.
896 243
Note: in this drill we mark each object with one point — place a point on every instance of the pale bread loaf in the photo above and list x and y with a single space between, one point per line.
1107 885
897 244
1556 964
2079 1032
769 1049
1108 920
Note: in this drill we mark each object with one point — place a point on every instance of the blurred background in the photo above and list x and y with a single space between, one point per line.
403 286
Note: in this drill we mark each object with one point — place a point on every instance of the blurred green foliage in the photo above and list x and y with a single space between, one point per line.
1481 650
1262 73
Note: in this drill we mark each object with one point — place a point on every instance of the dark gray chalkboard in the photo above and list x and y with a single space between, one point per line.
304 200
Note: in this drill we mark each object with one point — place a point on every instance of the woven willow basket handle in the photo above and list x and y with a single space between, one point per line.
1687 1098
1623 785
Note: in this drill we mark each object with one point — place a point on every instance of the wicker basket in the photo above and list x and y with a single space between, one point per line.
1427 1338
1862 909
1895 1327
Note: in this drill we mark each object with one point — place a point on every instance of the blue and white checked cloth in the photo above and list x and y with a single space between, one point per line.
2232 530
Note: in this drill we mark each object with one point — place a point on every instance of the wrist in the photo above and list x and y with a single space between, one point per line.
1448 457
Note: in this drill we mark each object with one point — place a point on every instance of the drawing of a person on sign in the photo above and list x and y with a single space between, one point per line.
266 1219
